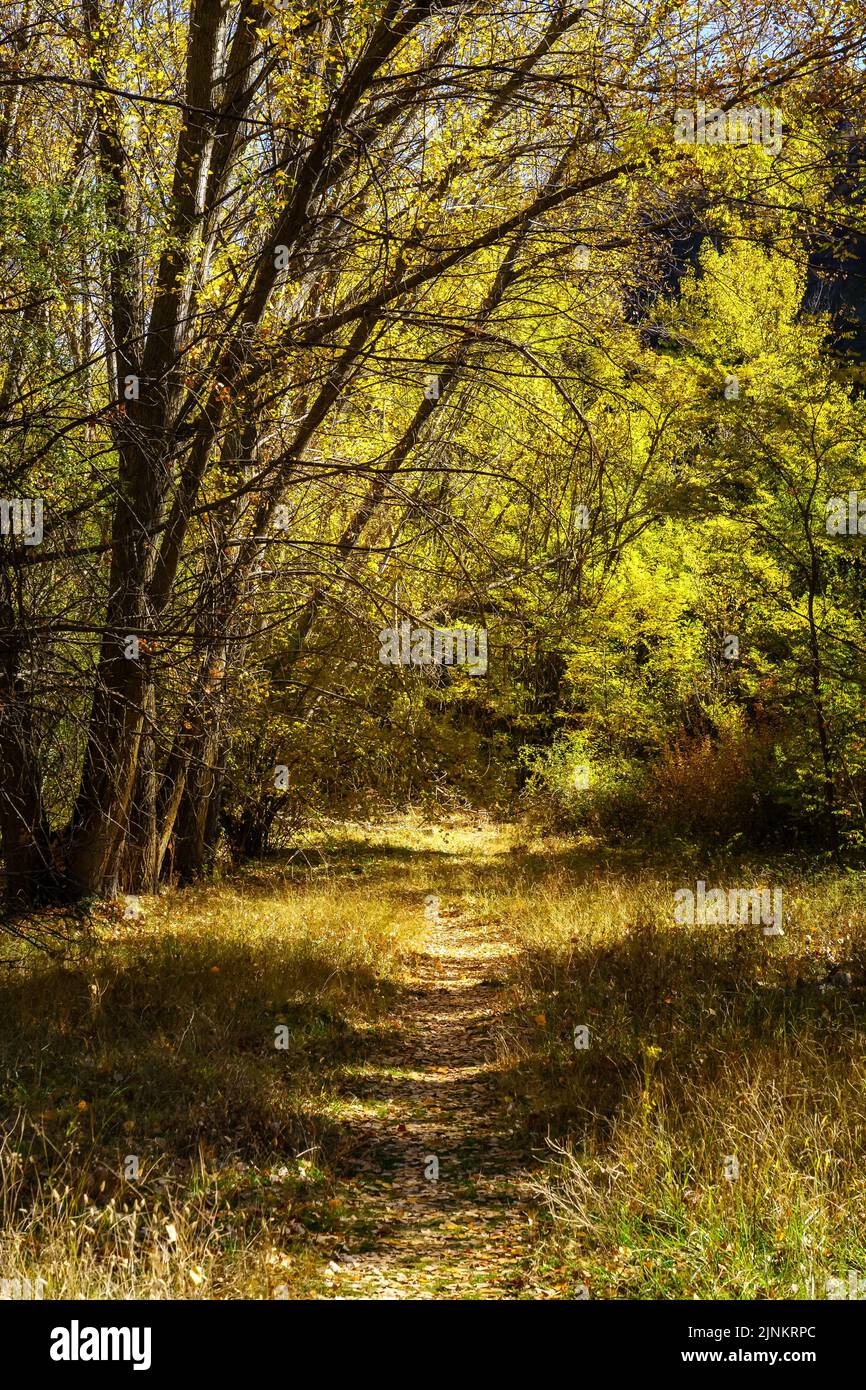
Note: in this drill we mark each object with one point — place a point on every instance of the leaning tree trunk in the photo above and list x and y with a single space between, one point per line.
193 845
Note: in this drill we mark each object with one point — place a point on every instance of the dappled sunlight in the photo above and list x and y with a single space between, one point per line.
342 1078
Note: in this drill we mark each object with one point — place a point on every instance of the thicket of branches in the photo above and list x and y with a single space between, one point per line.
240 238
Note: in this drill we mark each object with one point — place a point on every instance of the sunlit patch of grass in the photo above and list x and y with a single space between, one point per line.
706 1044
154 1041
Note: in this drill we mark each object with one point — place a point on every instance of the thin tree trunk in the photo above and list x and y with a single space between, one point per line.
816 675
193 828
23 822
139 873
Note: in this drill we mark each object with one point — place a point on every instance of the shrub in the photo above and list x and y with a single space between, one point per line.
707 788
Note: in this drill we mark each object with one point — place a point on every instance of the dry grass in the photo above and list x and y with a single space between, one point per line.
706 1043
156 1039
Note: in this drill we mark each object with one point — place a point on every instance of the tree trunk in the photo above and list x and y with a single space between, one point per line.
139 871
194 838
23 823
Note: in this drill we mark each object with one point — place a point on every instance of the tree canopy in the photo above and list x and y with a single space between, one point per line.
320 320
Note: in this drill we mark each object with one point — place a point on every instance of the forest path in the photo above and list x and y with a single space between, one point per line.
433 1091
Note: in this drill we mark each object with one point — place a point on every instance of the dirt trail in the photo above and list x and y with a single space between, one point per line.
434 1094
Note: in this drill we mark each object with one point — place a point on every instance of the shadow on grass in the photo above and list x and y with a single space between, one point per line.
165 1049
673 1015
